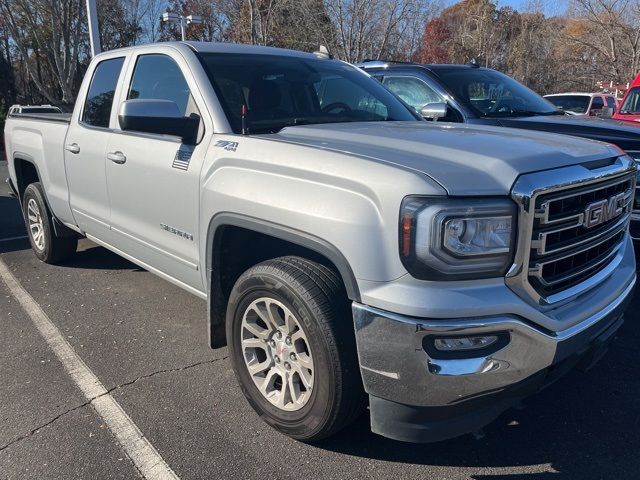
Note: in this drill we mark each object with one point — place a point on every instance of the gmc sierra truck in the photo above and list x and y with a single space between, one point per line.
349 251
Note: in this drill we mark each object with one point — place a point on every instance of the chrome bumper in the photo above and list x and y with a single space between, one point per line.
396 367
414 397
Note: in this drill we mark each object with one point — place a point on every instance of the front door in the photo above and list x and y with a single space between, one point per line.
153 180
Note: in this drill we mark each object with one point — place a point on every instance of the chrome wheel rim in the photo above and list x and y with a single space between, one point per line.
277 354
36 226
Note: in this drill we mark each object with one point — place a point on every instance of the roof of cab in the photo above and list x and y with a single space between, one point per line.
371 64
586 94
221 47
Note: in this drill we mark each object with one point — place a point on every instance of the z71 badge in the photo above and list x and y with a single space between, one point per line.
227 145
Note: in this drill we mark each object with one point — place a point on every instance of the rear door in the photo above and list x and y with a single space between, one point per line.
153 180
85 147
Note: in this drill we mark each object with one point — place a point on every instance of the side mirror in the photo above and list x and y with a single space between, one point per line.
161 117
606 112
434 111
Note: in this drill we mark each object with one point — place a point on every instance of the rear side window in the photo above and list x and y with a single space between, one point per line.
597 103
97 107
158 77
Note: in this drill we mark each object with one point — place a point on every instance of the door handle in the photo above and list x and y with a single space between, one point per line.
117 157
72 147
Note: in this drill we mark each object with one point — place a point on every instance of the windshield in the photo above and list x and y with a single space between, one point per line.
631 103
279 91
492 94
571 103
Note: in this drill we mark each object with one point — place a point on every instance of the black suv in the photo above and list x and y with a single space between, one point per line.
472 94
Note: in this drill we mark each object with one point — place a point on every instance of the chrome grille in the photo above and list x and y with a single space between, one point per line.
571 232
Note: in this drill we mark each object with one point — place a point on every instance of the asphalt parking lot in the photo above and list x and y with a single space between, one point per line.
145 341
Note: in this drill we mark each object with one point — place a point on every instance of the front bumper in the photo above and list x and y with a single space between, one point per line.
415 397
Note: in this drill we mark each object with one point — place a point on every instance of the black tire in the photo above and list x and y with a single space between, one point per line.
52 249
316 296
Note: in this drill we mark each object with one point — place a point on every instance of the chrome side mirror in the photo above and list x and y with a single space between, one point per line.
434 111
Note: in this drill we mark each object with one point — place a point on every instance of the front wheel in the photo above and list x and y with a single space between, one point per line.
290 334
47 246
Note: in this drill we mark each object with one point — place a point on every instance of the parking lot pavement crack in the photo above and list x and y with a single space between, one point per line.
117 387
44 425
160 372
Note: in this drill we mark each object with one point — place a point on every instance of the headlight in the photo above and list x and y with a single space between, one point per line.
453 239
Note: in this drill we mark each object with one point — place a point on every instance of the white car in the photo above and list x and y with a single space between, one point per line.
585 104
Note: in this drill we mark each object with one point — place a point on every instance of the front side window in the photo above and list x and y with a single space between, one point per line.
611 103
265 93
597 103
412 90
97 106
158 77
492 94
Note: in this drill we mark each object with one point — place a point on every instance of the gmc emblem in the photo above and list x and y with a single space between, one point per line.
602 211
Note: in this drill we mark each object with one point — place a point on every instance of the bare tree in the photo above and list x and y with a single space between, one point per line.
49 38
377 28
608 30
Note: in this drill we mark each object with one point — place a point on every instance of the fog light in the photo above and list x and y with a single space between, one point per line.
463 344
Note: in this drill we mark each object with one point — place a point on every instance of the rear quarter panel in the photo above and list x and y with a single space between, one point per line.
41 143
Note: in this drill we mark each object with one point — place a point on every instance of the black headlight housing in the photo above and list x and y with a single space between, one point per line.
442 238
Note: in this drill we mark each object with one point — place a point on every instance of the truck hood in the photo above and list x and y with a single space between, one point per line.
623 134
464 159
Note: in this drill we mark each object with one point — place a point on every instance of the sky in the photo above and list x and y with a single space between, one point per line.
550 7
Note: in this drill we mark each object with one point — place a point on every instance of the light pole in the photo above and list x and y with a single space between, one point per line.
182 20
94 34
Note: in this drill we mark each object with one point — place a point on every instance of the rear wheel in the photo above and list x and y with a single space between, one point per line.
37 218
290 334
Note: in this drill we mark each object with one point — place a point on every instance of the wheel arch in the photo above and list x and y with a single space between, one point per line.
280 236
27 172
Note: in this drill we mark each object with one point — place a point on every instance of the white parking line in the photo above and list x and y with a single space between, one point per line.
144 456
11 239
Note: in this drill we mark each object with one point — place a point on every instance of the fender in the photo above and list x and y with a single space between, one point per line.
303 239
291 235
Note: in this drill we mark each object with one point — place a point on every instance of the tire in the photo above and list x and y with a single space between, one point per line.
330 396
38 220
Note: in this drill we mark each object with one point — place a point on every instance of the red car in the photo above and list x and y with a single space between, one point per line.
630 108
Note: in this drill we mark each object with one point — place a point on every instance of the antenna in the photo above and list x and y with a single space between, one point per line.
323 52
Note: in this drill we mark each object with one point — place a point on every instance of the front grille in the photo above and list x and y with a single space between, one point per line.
576 233
572 228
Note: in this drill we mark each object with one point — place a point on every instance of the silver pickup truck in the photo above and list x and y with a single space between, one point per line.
349 251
